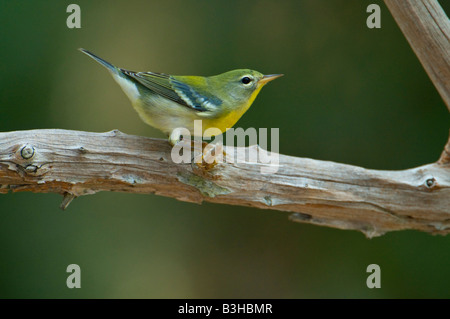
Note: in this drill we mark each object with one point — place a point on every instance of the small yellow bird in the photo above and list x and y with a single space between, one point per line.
168 102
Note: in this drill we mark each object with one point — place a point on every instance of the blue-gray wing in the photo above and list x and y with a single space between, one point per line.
195 97
177 91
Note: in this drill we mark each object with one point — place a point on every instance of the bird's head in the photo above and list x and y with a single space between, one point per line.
241 86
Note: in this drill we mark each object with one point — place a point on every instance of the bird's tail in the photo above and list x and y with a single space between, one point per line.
106 64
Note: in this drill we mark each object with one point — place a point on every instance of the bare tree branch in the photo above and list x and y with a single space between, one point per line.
337 195
76 163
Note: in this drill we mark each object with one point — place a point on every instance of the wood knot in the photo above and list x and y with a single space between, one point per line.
116 133
268 200
430 182
27 152
31 169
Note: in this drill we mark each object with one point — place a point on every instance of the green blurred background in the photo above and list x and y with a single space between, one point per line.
350 94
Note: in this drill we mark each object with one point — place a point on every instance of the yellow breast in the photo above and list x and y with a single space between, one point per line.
227 121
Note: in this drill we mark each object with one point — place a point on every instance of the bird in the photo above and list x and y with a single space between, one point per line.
169 102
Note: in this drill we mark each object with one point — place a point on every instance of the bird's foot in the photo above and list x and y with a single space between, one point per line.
204 156
209 157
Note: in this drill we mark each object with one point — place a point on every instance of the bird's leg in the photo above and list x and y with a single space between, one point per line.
175 137
204 156
210 156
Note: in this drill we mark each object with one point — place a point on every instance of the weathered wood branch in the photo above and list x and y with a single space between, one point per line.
427 29
76 163
337 195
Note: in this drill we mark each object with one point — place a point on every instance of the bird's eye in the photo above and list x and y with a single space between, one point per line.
246 80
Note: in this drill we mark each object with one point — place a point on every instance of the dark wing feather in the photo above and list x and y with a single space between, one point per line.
195 97
160 83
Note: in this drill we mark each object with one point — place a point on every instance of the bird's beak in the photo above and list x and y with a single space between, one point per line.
267 78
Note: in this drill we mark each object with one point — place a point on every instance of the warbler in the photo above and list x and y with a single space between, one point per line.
168 102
